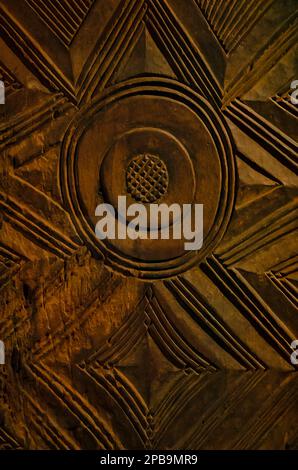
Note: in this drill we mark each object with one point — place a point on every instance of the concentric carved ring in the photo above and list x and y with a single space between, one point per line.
150 140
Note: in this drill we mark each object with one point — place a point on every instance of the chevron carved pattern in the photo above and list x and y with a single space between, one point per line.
64 18
115 348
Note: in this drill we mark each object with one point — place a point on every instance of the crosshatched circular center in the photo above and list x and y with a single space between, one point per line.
147 178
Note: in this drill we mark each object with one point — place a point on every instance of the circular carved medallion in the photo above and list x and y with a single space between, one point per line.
153 141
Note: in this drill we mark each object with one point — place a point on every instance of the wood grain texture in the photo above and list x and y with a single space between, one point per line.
197 356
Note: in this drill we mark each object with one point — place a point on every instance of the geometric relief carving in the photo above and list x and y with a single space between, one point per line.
283 99
139 344
147 178
118 368
232 28
64 18
160 118
10 82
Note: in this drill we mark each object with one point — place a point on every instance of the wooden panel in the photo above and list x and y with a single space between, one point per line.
125 347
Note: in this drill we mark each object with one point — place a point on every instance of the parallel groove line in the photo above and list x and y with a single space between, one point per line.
178 345
44 424
136 418
281 402
47 235
235 290
120 38
215 416
197 71
266 231
39 63
74 402
63 18
209 321
278 45
281 285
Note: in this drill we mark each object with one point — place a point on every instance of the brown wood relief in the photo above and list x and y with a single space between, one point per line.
129 345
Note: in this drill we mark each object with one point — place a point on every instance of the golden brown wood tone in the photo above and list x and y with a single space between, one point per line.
112 347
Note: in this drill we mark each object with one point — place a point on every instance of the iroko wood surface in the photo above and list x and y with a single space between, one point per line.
133 345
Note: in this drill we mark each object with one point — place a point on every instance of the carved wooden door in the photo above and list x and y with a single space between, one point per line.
112 346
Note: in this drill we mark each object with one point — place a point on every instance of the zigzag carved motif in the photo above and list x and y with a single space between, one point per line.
149 372
104 367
